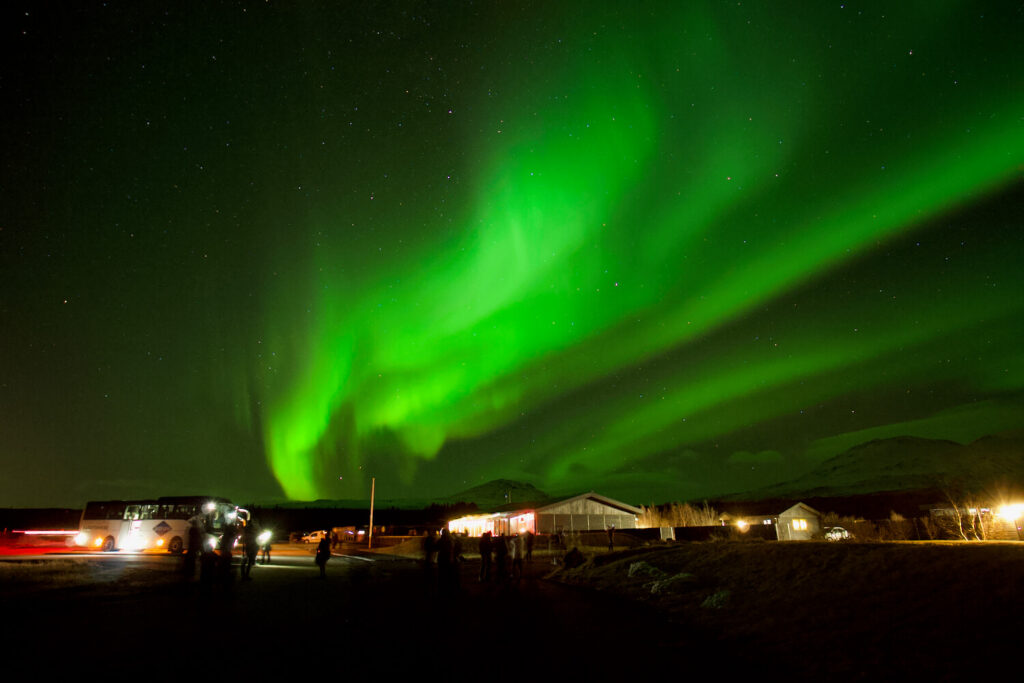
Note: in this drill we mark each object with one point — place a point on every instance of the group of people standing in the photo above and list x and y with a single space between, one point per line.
501 557
507 550
446 550
215 559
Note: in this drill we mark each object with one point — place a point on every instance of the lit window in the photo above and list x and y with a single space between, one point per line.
800 525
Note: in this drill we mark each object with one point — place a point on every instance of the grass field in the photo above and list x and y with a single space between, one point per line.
937 610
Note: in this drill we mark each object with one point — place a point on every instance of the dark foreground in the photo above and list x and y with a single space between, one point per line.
382 617
721 612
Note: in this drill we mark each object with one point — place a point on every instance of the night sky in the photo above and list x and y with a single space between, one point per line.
660 250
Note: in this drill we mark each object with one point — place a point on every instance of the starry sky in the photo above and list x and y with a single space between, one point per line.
660 250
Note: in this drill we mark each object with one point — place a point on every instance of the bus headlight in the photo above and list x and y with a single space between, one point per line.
81 538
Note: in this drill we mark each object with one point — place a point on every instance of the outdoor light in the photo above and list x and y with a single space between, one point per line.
263 538
1013 511
210 507
742 524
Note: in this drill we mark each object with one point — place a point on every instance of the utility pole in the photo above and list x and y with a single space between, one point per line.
373 488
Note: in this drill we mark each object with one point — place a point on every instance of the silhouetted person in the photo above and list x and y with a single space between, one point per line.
250 549
207 565
517 549
429 549
445 561
194 548
611 538
227 546
265 557
501 557
456 560
323 553
529 546
485 556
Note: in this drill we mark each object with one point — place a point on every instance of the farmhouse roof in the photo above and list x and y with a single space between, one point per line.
604 500
798 508
539 507
765 511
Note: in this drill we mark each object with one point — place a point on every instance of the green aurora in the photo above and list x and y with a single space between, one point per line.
661 250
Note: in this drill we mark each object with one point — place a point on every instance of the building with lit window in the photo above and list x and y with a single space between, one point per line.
585 512
800 522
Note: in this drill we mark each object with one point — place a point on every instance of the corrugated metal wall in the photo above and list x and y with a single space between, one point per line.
552 523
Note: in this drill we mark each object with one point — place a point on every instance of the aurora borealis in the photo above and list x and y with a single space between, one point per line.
659 250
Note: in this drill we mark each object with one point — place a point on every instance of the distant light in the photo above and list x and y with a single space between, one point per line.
210 507
742 524
1013 511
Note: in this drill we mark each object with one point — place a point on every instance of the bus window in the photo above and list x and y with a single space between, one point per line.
113 509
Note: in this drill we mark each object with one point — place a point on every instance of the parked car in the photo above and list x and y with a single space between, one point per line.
314 536
837 533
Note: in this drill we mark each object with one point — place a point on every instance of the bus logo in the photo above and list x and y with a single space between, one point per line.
162 528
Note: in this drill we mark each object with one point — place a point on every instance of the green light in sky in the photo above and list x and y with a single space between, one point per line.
628 208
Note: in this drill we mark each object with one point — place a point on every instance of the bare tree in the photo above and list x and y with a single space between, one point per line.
679 514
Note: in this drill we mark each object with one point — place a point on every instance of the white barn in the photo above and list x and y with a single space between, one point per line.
585 512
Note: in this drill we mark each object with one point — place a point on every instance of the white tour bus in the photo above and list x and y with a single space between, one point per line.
160 524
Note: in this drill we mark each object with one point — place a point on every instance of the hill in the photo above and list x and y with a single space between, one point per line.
496 493
907 464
